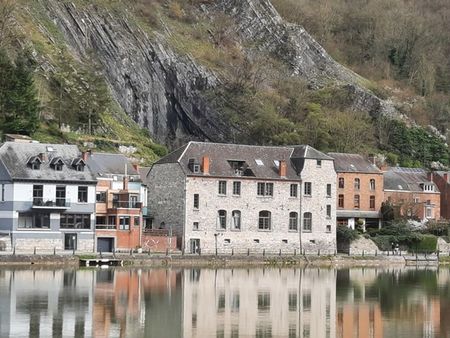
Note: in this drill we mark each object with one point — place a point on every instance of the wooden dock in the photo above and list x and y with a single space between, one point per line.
101 262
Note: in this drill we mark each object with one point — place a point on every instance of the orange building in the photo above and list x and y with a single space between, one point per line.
359 190
413 193
121 198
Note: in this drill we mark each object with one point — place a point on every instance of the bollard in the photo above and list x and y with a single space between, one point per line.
280 253
167 252
34 251
248 252
199 251
14 250
318 252
73 251
182 252
131 252
335 252
54 251
101 254
232 251
264 252
114 253
363 253
148 252
295 252
216 251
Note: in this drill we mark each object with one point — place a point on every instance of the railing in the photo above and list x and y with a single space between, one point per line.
39 202
126 205
105 227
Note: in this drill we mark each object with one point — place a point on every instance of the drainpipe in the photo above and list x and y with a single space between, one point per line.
300 216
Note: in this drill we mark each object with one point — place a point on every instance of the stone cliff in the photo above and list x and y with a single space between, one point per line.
165 92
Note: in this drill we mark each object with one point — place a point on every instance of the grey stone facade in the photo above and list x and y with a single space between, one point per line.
191 204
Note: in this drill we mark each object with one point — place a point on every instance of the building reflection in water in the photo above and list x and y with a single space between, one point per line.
316 303
261 303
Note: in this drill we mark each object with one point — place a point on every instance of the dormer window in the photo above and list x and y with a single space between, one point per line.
78 164
194 166
57 163
34 162
428 187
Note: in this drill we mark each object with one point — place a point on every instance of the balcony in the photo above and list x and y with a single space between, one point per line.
105 227
56 204
126 205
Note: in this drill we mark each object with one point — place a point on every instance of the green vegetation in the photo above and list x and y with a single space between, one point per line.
344 234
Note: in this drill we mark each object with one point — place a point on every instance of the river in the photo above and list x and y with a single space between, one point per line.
270 302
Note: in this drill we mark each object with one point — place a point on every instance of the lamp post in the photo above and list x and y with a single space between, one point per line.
215 238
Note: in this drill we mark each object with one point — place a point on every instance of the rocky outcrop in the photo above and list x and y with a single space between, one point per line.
160 90
260 23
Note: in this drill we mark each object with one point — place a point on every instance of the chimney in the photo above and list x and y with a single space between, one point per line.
446 177
372 159
205 165
283 168
43 157
430 176
136 167
86 154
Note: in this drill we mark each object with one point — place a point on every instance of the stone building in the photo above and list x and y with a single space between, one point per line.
47 197
413 193
120 200
359 190
231 198
442 181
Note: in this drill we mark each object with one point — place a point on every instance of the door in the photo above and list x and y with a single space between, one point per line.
195 246
70 241
105 244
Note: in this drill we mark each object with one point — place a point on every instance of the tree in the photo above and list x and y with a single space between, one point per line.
19 106
6 21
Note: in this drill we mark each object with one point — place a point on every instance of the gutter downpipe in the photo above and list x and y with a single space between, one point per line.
300 216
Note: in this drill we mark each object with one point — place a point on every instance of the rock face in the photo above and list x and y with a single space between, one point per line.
165 92
160 90
259 22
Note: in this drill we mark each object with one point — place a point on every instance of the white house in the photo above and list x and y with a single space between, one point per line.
48 197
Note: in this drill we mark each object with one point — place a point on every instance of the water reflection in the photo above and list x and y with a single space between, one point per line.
316 303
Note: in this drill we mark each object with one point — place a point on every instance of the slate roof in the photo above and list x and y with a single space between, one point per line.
261 161
14 157
107 164
406 179
353 163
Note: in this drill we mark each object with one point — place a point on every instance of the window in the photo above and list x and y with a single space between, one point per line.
196 201
356 202
341 182
79 167
428 213
195 226
237 188
328 211
307 221
124 223
36 220
292 300
100 197
428 202
293 221
372 202
77 221
264 220
222 187
112 220
60 196
82 194
329 228
36 165
357 184
308 188
236 218
222 219
319 163
38 193
341 201
263 301
265 189
137 221
328 190
294 190
372 184
259 162
58 166
306 301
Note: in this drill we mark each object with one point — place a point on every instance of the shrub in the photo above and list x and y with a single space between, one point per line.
346 234
425 244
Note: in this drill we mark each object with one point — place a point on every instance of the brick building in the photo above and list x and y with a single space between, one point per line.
442 181
359 190
413 193
236 197
120 200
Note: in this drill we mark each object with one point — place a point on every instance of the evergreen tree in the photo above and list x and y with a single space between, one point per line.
19 107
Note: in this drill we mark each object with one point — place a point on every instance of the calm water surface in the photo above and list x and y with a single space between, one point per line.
314 303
